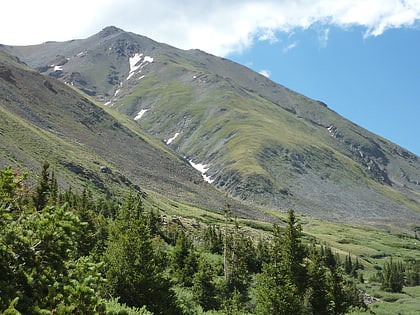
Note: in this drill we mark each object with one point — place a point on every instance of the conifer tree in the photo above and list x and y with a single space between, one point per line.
184 260
318 294
42 190
236 261
134 269
393 276
282 283
204 289
294 252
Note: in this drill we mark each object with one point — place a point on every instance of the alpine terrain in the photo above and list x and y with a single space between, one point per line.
150 113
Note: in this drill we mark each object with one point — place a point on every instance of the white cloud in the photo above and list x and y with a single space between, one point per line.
216 26
290 47
265 73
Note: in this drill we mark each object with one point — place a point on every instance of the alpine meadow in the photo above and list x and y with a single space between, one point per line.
139 178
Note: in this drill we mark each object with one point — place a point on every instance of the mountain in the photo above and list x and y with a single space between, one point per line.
253 138
43 119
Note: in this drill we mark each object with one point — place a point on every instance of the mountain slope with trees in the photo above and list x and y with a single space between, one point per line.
63 254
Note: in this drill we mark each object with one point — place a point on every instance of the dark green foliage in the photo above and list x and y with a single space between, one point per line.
204 289
262 255
55 253
213 239
42 190
275 292
134 268
351 267
412 273
393 276
294 252
237 253
39 266
317 297
282 283
184 260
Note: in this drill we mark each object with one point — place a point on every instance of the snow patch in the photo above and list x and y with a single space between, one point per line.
202 168
170 140
140 114
136 64
133 61
107 103
116 92
148 59
58 68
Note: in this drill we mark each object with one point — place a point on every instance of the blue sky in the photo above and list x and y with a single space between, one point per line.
374 81
361 57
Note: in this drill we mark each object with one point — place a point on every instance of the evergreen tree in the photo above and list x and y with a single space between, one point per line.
42 190
134 269
213 239
204 289
293 253
412 273
282 283
184 260
237 275
275 292
318 296
393 276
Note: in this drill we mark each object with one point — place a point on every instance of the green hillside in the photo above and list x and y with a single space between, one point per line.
259 141
45 120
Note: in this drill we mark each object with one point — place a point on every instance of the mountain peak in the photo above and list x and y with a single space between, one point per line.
110 30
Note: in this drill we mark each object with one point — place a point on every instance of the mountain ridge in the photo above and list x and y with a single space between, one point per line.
260 142
43 119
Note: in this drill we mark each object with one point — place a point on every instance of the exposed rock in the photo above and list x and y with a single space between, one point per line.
49 86
6 74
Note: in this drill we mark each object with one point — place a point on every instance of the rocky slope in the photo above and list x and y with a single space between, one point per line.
256 140
42 119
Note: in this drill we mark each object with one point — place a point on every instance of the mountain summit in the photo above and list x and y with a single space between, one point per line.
249 136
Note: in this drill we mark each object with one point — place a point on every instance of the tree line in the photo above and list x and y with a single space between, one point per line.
63 252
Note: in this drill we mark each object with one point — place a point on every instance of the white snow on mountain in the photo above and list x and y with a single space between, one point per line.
169 141
135 63
140 114
202 168
148 59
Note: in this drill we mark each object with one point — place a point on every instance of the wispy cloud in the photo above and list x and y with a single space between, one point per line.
217 26
265 73
290 47
323 37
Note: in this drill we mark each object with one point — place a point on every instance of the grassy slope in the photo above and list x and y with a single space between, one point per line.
56 123
262 142
270 151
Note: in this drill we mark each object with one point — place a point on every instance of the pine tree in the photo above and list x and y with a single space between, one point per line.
204 289
282 283
184 260
134 269
275 292
293 253
317 296
236 263
42 191
393 276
